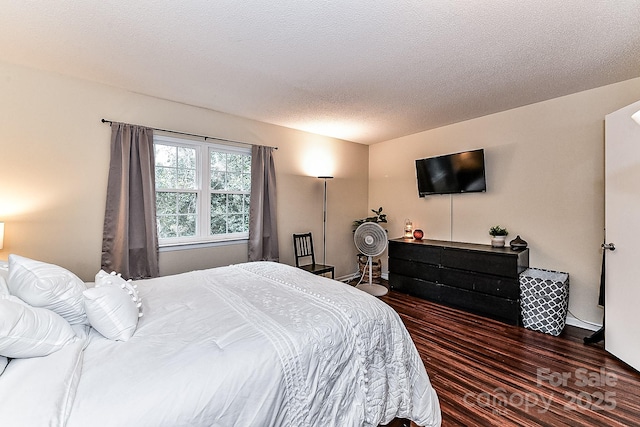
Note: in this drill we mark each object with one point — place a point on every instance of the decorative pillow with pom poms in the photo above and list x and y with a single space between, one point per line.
113 306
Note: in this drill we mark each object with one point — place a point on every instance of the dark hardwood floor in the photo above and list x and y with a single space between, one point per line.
487 373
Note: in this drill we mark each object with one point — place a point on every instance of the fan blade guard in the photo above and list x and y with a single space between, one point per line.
370 239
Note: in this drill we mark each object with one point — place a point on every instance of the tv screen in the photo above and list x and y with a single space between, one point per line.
451 173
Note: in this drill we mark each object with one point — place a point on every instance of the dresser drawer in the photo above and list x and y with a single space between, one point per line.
504 310
416 287
504 287
481 262
408 268
416 252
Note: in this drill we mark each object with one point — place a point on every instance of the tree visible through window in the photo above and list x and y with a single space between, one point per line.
202 191
230 190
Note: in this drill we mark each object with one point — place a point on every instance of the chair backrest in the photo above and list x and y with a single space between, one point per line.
303 247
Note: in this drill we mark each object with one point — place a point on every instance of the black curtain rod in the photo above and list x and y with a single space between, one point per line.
194 135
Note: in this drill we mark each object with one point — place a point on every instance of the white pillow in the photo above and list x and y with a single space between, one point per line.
47 286
112 306
103 278
29 331
4 290
4 270
3 363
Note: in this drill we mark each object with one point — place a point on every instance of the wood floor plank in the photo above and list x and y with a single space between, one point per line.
488 373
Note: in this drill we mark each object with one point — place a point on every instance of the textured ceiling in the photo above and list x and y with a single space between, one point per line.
364 71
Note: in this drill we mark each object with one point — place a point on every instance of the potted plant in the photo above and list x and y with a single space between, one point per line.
377 217
498 236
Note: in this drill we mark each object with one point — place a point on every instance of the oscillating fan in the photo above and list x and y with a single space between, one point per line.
371 240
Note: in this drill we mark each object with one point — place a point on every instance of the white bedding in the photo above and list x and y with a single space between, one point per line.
256 344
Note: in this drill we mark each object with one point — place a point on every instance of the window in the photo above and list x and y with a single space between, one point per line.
202 191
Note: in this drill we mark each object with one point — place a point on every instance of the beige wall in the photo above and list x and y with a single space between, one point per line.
545 182
54 163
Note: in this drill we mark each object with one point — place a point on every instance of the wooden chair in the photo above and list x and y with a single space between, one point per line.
303 248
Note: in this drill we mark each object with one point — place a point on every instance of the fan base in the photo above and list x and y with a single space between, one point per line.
373 289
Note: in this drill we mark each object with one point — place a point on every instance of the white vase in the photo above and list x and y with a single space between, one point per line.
498 241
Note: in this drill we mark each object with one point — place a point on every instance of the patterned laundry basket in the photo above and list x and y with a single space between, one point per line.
544 300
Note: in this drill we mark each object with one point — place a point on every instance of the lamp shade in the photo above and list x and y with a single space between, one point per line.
636 116
1 235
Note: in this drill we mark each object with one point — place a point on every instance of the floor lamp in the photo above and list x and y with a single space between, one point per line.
324 220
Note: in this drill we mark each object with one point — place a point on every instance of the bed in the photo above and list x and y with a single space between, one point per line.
255 344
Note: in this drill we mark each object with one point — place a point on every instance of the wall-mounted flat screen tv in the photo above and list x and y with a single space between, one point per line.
451 173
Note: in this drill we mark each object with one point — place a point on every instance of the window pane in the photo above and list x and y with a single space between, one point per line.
166 155
235 223
187 203
165 203
187 225
218 225
175 167
246 200
230 172
166 177
234 181
218 161
218 204
235 162
167 227
176 213
186 179
235 203
218 180
186 158
246 182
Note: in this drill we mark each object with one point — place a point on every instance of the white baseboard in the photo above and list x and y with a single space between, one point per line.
356 275
582 324
348 277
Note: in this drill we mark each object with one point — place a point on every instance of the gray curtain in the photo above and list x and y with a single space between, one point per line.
130 236
263 230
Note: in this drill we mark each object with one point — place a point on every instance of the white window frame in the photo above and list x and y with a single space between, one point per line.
203 190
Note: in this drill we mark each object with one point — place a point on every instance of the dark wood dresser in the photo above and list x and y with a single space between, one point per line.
476 278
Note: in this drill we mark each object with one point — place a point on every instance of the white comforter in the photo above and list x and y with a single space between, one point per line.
257 344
